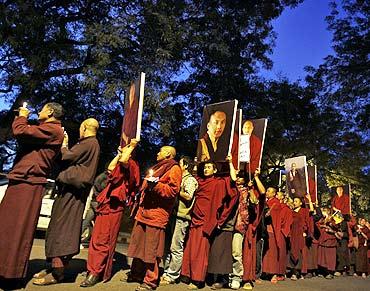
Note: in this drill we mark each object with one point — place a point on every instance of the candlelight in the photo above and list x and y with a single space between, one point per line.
151 172
24 104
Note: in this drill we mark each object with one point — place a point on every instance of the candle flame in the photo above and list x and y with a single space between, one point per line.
25 104
151 172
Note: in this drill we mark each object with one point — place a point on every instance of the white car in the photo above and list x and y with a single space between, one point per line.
47 201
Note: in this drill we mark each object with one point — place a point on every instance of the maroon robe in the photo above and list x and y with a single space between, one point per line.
341 203
20 208
301 224
270 262
208 201
286 216
326 253
250 240
121 183
147 238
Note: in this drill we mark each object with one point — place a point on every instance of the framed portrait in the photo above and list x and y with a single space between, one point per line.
312 183
251 144
133 111
217 135
341 198
296 176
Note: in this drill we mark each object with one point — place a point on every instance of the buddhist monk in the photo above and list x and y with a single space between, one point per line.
63 236
123 179
20 208
158 195
300 231
205 219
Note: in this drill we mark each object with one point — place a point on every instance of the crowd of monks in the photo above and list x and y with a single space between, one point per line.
202 227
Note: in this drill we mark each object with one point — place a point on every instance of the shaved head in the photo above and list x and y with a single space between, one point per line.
89 127
166 152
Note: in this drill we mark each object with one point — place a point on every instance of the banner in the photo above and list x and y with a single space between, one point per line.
133 111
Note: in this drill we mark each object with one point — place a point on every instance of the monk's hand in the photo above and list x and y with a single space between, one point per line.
308 196
133 142
257 172
250 183
229 158
24 112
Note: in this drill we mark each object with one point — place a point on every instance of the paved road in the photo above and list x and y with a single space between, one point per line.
78 266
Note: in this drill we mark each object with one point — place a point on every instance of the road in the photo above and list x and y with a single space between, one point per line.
78 265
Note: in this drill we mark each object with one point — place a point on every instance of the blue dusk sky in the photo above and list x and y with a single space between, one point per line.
302 39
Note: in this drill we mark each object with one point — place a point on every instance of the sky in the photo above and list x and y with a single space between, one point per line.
302 39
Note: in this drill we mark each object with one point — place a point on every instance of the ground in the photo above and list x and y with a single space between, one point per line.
74 276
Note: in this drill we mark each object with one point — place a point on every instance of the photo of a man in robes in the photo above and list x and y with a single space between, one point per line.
312 183
251 144
217 133
134 99
341 198
296 176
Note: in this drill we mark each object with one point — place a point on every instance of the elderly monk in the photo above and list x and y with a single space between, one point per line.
19 211
340 201
123 180
63 236
158 197
255 146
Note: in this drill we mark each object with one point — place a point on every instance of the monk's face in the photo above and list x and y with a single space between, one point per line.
209 170
162 154
216 124
270 192
297 202
340 191
280 196
45 113
294 167
362 221
248 127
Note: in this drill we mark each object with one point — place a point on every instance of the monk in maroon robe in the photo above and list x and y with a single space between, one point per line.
255 211
300 231
326 253
124 179
158 196
20 208
205 219
270 262
341 202
63 236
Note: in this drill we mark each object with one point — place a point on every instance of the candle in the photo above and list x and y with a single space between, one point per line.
24 104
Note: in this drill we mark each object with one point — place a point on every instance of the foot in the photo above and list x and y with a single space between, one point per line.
308 276
90 281
258 281
44 281
41 274
192 286
274 279
355 275
363 275
294 278
280 278
128 278
337 274
217 286
166 281
235 285
247 286
329 277
143 287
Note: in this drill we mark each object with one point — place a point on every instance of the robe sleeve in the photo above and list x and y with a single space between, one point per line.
229 202
35 134
169 187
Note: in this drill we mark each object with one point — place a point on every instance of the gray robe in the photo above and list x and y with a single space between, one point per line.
64 231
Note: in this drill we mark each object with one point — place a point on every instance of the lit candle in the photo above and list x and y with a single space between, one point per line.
24 104
151 172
